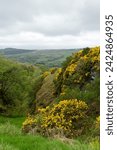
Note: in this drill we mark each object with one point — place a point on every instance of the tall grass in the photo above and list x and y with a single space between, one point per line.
9 129
6 146
11 138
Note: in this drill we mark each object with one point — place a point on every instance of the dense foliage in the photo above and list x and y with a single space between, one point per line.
59 102
77 79
79 69
66 117
16 86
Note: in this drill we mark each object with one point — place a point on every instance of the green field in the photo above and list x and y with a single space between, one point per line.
11 138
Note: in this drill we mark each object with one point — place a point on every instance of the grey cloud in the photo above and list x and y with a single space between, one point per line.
49 17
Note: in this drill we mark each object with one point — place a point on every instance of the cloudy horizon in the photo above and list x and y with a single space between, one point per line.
49 24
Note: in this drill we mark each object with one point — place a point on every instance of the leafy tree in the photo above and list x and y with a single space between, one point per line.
16 85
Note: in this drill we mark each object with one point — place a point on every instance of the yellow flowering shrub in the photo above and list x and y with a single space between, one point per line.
67 116
29 123
71 68
84 63
82 67
58 72
46 73
52 70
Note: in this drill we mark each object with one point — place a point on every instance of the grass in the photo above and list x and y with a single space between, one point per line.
17 121
11 138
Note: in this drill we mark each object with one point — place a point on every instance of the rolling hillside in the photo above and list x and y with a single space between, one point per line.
49 58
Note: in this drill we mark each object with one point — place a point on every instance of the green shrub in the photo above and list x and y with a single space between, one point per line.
97 126
93 127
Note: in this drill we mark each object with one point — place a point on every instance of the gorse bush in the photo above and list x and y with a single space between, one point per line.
81 68
29 124
86 93
66 117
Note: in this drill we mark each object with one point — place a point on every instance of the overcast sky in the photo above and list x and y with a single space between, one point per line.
45 24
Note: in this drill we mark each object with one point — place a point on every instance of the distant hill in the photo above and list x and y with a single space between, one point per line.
47 57
14 51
